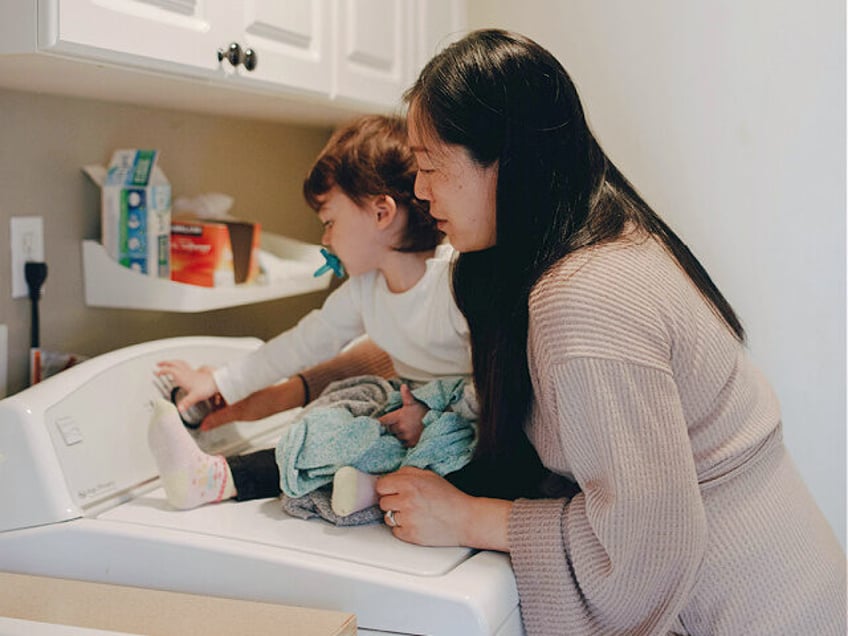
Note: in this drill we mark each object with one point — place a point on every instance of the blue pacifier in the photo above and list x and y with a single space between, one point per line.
333 263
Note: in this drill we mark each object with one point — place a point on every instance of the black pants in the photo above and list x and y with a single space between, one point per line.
255 475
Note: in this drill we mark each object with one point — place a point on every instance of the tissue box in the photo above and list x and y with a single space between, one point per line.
214 252
136 212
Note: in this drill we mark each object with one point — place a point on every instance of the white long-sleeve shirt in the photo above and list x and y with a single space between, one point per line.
421 329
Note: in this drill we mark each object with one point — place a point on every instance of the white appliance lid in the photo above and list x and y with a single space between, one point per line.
262 522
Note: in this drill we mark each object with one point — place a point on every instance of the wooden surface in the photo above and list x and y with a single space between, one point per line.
141 611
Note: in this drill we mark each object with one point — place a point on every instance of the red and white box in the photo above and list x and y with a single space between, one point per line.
214 252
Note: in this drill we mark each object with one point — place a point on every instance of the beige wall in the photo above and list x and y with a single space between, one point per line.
44 141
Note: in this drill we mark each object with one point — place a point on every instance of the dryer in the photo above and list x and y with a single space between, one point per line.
80 498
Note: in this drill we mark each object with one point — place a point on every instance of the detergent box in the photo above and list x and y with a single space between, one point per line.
214 252
136 212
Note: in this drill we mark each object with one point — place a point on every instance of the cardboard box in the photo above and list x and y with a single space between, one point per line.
136 211
214 252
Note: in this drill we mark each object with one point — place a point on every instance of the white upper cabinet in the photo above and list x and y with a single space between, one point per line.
342 56
294 37
281 43
372 50
177 36
434 26
381 45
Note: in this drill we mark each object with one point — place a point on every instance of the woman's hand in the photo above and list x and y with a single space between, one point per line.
405 423
198 384
428 510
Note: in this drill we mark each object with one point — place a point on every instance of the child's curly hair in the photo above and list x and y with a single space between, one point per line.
370 156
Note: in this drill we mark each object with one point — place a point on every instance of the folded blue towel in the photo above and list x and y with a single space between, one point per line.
341 429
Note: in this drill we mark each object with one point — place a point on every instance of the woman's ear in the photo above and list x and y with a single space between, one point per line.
385 210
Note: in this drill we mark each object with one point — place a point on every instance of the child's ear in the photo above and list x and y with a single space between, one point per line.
385 210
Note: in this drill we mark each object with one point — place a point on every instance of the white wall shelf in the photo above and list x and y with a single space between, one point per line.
109 284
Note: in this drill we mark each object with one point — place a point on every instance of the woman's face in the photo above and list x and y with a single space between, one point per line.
462 194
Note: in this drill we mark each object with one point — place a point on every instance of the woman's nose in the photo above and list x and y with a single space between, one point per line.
421 191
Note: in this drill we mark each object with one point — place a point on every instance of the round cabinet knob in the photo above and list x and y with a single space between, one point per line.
232 54
250 59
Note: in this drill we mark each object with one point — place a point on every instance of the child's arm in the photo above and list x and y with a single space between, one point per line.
364 358
405 423
198 384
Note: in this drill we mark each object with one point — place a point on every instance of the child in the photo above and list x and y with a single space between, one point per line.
398 293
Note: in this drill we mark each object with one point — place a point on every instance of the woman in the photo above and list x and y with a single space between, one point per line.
597 334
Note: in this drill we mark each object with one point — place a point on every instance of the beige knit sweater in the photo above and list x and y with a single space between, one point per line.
692 518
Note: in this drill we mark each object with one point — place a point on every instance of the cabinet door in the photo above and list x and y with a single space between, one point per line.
436 24
372 54
291 39
174 35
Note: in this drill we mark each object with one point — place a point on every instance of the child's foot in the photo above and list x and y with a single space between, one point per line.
353 491
190 476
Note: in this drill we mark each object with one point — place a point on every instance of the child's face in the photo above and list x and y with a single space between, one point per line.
350 232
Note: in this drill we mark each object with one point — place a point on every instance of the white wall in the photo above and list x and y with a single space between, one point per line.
729 117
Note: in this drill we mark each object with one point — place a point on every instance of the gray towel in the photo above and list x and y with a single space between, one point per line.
318 503
341 429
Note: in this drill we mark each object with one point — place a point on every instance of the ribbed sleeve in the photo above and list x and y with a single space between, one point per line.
632 541
646 399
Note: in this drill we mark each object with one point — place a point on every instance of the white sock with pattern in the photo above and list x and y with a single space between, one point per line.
190 477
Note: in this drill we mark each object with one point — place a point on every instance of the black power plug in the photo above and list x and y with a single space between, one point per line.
35 274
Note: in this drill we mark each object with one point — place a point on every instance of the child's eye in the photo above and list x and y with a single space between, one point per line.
426 170
327 224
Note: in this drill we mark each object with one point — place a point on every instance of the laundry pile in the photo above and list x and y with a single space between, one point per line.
341 428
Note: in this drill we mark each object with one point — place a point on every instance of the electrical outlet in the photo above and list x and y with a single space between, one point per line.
27 234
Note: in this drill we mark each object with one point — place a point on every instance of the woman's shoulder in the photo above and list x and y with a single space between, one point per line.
633 263
625 294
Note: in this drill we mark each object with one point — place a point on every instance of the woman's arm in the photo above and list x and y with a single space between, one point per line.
363 358
625 551
265 402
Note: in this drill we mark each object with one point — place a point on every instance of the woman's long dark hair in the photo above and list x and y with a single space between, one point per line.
506 99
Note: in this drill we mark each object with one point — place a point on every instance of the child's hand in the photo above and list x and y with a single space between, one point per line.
198 384
405 423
